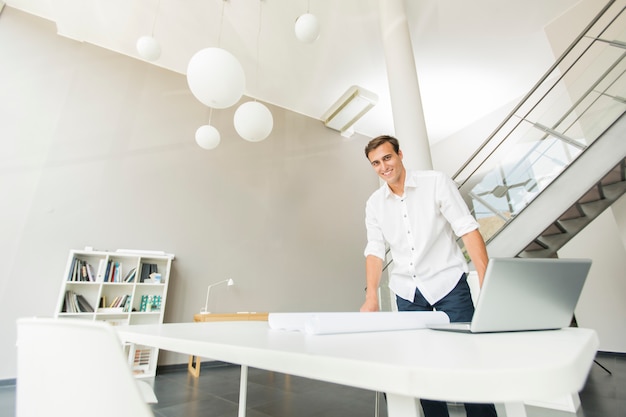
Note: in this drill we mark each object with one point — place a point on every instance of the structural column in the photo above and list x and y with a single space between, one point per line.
406 101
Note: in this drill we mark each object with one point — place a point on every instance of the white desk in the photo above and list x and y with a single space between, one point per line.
500 368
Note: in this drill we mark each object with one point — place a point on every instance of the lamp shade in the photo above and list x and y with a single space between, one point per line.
228 282
307 28
215 77
148 48
207 137
253 121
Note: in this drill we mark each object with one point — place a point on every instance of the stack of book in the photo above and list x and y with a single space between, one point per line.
76 303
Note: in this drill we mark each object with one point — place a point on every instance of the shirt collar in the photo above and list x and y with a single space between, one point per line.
410 181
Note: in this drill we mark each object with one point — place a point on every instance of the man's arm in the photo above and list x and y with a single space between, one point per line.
373 272
477 250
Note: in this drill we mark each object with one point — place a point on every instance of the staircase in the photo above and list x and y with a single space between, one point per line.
600 197
558 160
591 184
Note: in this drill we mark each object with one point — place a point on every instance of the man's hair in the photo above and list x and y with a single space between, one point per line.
379 140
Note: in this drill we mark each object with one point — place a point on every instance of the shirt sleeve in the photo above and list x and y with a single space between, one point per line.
453 207
375 240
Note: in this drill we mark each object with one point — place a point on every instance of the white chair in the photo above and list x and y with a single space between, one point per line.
74 368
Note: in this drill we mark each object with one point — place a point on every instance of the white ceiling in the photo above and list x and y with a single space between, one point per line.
472 57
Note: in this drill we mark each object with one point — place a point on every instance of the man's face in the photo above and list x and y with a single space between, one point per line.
387 163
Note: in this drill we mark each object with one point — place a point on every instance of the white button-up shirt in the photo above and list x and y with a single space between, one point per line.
420 228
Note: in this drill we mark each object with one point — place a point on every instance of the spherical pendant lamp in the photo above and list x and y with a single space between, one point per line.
148 48
307 28
253 121
207 137
216 78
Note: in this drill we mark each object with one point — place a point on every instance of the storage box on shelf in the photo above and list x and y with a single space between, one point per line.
122 287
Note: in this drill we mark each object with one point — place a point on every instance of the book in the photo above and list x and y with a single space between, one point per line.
83 271
74 273
89 272
127 304
117 274
66 303
70 276
146 270
111 276
107 271
102 266
130 276
83 304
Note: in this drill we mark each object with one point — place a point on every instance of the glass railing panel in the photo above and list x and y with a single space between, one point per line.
509 185
610 22
576 84
612 25
614 84
594 119
487 157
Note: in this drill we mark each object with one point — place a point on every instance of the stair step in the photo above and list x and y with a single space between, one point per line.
595 208
571 213
614 176
573 226
615 190
553 229
592 195
535 246
547 253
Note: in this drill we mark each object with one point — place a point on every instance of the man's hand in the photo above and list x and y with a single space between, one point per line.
369 306
477 251
373 271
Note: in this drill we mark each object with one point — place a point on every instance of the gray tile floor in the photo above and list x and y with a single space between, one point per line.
215 394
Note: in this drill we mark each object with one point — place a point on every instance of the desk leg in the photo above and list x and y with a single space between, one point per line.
194 365
403 406
515 409
243 391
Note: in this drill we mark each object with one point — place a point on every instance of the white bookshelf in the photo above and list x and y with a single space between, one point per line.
145 298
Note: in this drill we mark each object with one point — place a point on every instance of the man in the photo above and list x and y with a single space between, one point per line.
419 214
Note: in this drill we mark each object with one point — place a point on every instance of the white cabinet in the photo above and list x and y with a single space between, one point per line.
122 287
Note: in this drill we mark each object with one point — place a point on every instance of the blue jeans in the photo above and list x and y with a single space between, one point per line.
458 306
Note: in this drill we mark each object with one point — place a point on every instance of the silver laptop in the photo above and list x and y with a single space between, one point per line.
520 294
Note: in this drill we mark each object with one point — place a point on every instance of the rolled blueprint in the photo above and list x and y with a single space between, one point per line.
352 322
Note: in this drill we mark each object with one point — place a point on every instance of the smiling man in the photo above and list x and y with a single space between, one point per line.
419 214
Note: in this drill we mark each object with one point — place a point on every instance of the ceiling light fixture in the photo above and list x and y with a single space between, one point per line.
147 46
215 77
207 136
307 27
350 107
253 120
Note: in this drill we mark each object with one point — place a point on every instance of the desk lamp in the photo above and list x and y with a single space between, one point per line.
228 282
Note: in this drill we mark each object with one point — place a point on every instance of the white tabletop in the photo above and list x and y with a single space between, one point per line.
502 367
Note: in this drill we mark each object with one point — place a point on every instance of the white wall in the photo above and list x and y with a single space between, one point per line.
97 149
601 306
